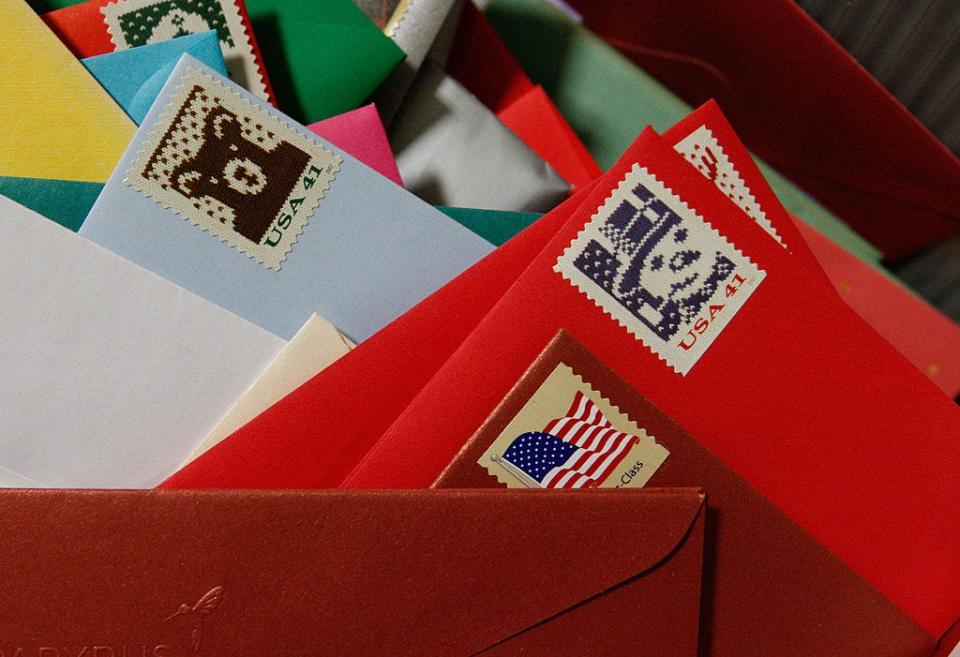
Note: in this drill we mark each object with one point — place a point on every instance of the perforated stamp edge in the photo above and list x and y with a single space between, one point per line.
240 59
322 156
611 307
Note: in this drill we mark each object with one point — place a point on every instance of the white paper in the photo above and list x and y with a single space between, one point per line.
109 375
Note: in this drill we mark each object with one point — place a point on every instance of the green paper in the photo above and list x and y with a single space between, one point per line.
43 6
67 202
608 100
324 57
495 226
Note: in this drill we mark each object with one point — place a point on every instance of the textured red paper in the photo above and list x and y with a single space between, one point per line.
803 399
315 436
803 104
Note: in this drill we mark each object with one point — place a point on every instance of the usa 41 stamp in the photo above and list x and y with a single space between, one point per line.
659 269
134 23
233 169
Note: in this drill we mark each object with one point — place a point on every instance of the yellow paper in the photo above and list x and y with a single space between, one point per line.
56 121
315 346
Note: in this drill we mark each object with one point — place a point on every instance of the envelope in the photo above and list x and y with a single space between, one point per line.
421 573
316 435
578 69
805 105
601 434
481 62
272 233
112 375
44 89
135 76
360 133
451 150
495 226
96 27
707 140
770 370
314 347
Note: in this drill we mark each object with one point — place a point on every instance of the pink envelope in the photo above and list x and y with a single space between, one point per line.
360 132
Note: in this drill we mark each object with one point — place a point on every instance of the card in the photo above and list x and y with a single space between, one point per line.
112 375
267 220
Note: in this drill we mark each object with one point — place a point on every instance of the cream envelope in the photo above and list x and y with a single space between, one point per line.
55 120
314 347
451 150
111 375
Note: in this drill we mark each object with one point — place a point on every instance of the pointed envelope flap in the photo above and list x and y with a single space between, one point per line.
360 573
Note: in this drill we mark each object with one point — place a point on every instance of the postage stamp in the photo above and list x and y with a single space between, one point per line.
134 23
659 269
568 435
704 152
233 169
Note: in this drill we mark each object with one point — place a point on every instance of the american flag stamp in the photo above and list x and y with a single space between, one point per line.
568 435
233 169
134 23
658 268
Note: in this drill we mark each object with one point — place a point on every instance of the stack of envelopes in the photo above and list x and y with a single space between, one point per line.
433 328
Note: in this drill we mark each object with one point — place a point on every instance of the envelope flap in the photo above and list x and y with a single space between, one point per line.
361 572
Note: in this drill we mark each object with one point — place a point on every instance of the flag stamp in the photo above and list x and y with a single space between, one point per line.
568 435
233 169
657 267
133 23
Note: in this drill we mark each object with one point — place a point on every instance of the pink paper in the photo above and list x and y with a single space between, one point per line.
360 133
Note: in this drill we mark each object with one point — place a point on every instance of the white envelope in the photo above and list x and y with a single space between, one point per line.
110 375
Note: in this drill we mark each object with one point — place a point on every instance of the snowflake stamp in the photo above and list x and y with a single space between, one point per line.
233 169
659 269
133 23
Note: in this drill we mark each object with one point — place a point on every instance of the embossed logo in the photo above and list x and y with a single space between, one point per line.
233 169
197 614
659 269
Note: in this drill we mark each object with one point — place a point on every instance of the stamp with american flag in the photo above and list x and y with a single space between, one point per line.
568 435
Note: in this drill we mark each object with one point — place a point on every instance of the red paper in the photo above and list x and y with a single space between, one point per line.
803 104
803 399
315 436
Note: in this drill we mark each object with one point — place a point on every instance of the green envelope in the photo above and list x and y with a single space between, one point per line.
324 57
66 202
608 99
495 226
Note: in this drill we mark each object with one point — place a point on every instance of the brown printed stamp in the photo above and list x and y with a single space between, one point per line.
233 169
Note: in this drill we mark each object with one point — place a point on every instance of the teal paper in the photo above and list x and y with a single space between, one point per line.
135 76
495 226
66 202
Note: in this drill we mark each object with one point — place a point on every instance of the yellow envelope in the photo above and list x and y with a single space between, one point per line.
56 121
314 347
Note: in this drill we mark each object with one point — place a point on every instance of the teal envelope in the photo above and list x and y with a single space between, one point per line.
495 226
133 78
608 99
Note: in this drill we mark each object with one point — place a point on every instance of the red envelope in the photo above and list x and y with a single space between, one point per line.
802 103
783 381
315 436
481 62
927 338
83 28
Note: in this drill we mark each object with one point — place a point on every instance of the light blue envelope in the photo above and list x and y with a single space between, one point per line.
369 252
135 76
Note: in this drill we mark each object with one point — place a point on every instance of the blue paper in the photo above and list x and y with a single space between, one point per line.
370 251
135 76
